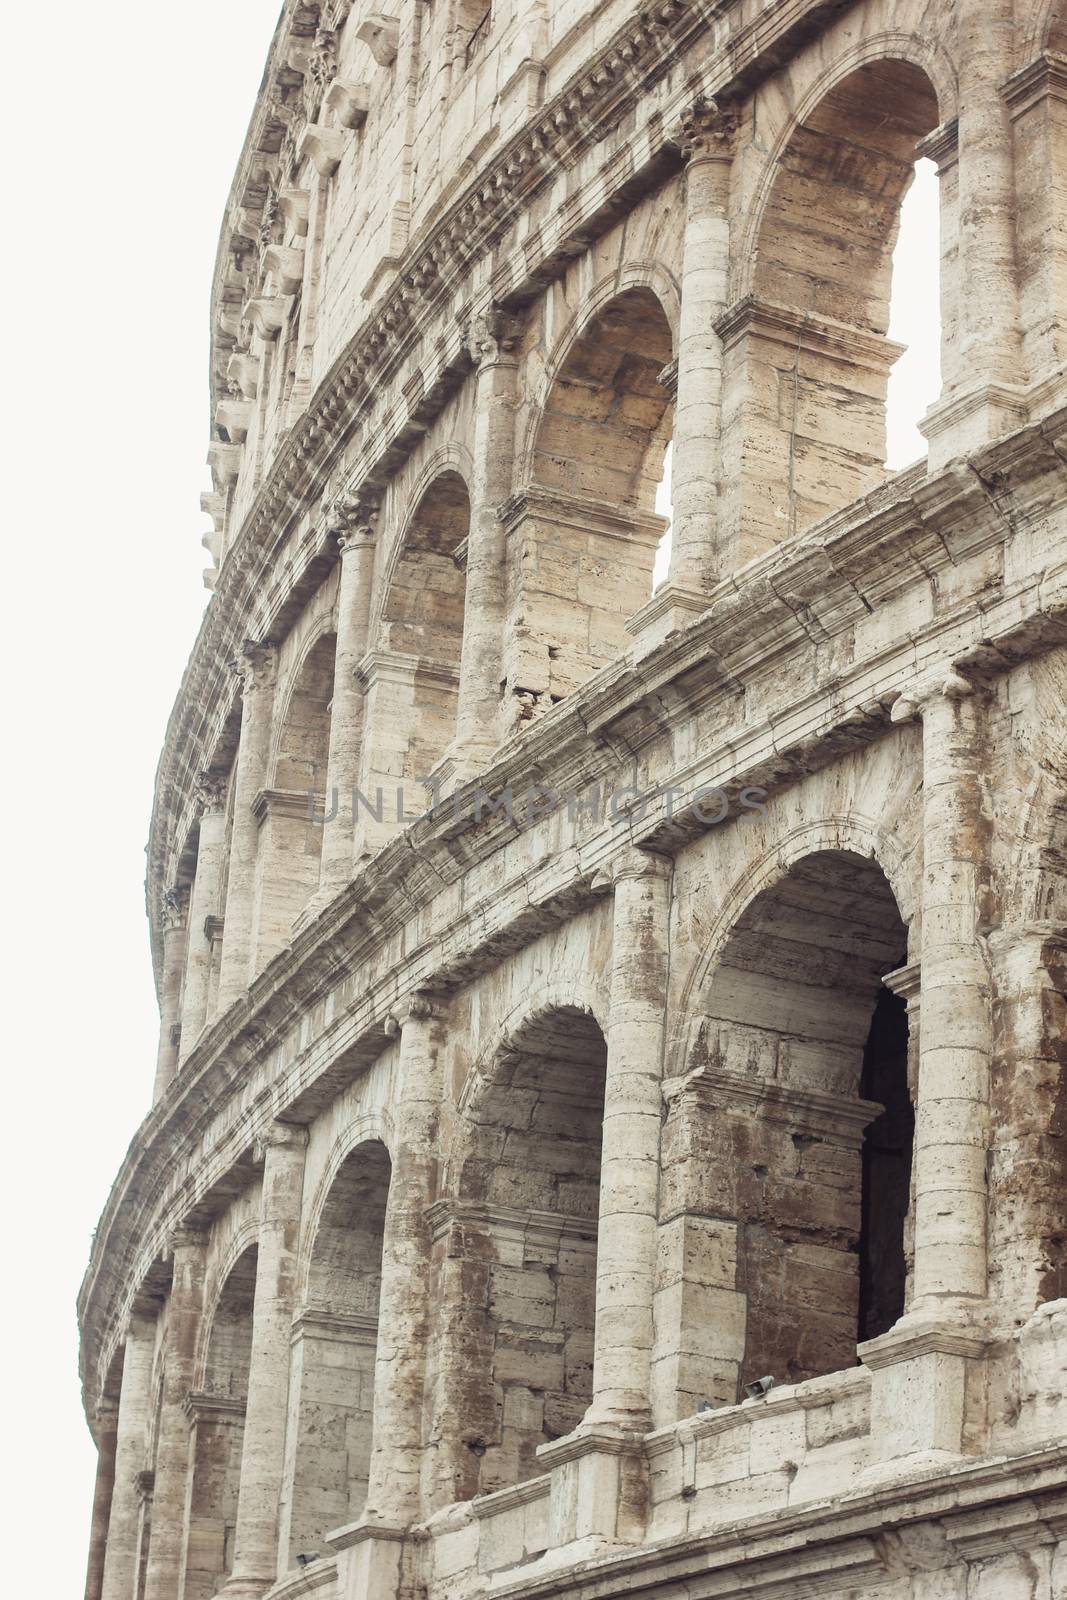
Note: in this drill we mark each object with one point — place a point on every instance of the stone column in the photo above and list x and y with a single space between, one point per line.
706 137
255 1563
1028 1255
629 1171
183 1313
120 1560
923 1402
357 541
907 983
370 1551
1037 102
493 338
105 1434
955 1047
203 904
173 925
987 399
255 668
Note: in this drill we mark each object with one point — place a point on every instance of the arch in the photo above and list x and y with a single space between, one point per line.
1047 31
412 672
514 1254
216 1419
583 531
290 832
794 1126
648 275
334 1351
807 360
850 832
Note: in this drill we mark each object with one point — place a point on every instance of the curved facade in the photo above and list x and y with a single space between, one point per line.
580 1000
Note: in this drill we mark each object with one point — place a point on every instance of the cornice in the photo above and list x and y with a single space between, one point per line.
782 605
427 280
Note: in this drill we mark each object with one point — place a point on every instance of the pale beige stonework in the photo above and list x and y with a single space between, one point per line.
495 1152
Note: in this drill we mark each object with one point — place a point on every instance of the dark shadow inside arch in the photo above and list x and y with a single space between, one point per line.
217 1434
582 538
804 1053
335 1339
515 1266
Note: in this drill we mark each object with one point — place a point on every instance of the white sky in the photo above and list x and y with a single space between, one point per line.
127 121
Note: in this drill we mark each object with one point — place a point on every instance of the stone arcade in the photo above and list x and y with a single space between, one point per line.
495 1153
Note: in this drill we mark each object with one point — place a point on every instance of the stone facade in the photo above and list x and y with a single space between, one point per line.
710 1025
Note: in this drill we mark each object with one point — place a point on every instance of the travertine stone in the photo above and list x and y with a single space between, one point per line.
686 1014
256 1538
183 1313
255 671
135 1401
203 905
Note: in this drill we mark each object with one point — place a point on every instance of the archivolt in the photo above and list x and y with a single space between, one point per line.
649 275
925 54
855 833
373 1127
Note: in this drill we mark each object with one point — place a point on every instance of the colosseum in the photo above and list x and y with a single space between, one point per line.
609 1134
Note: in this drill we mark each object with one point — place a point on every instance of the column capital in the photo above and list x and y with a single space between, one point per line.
280 1136
210 790
415 1008
635 862
173 907
254 665
490 334
944 683
707 131
352 516
186 1236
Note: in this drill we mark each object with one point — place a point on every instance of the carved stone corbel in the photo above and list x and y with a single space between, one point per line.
381 35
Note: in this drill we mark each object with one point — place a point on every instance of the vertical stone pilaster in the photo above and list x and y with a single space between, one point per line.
629 1172
926 1401
120 1559
173 922
183 1315
955 1048
1028 1167
493 338
203 904
255 1566
907 983
358 543
707 139
371 1552
1036 98
105 1434
255 667
986 399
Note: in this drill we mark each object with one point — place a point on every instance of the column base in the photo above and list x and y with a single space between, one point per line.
964 423
599 1490
927 1394
672 609
369 1560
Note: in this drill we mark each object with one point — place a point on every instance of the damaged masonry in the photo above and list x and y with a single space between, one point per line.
500 1154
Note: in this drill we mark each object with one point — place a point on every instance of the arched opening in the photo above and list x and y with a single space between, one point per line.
216 1420
335 1341
807 354
515 1257
290 810
583 537
798 1129
412 674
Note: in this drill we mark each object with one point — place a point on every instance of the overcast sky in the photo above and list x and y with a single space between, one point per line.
125 125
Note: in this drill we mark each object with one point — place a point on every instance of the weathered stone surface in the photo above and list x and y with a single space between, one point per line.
580 1004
